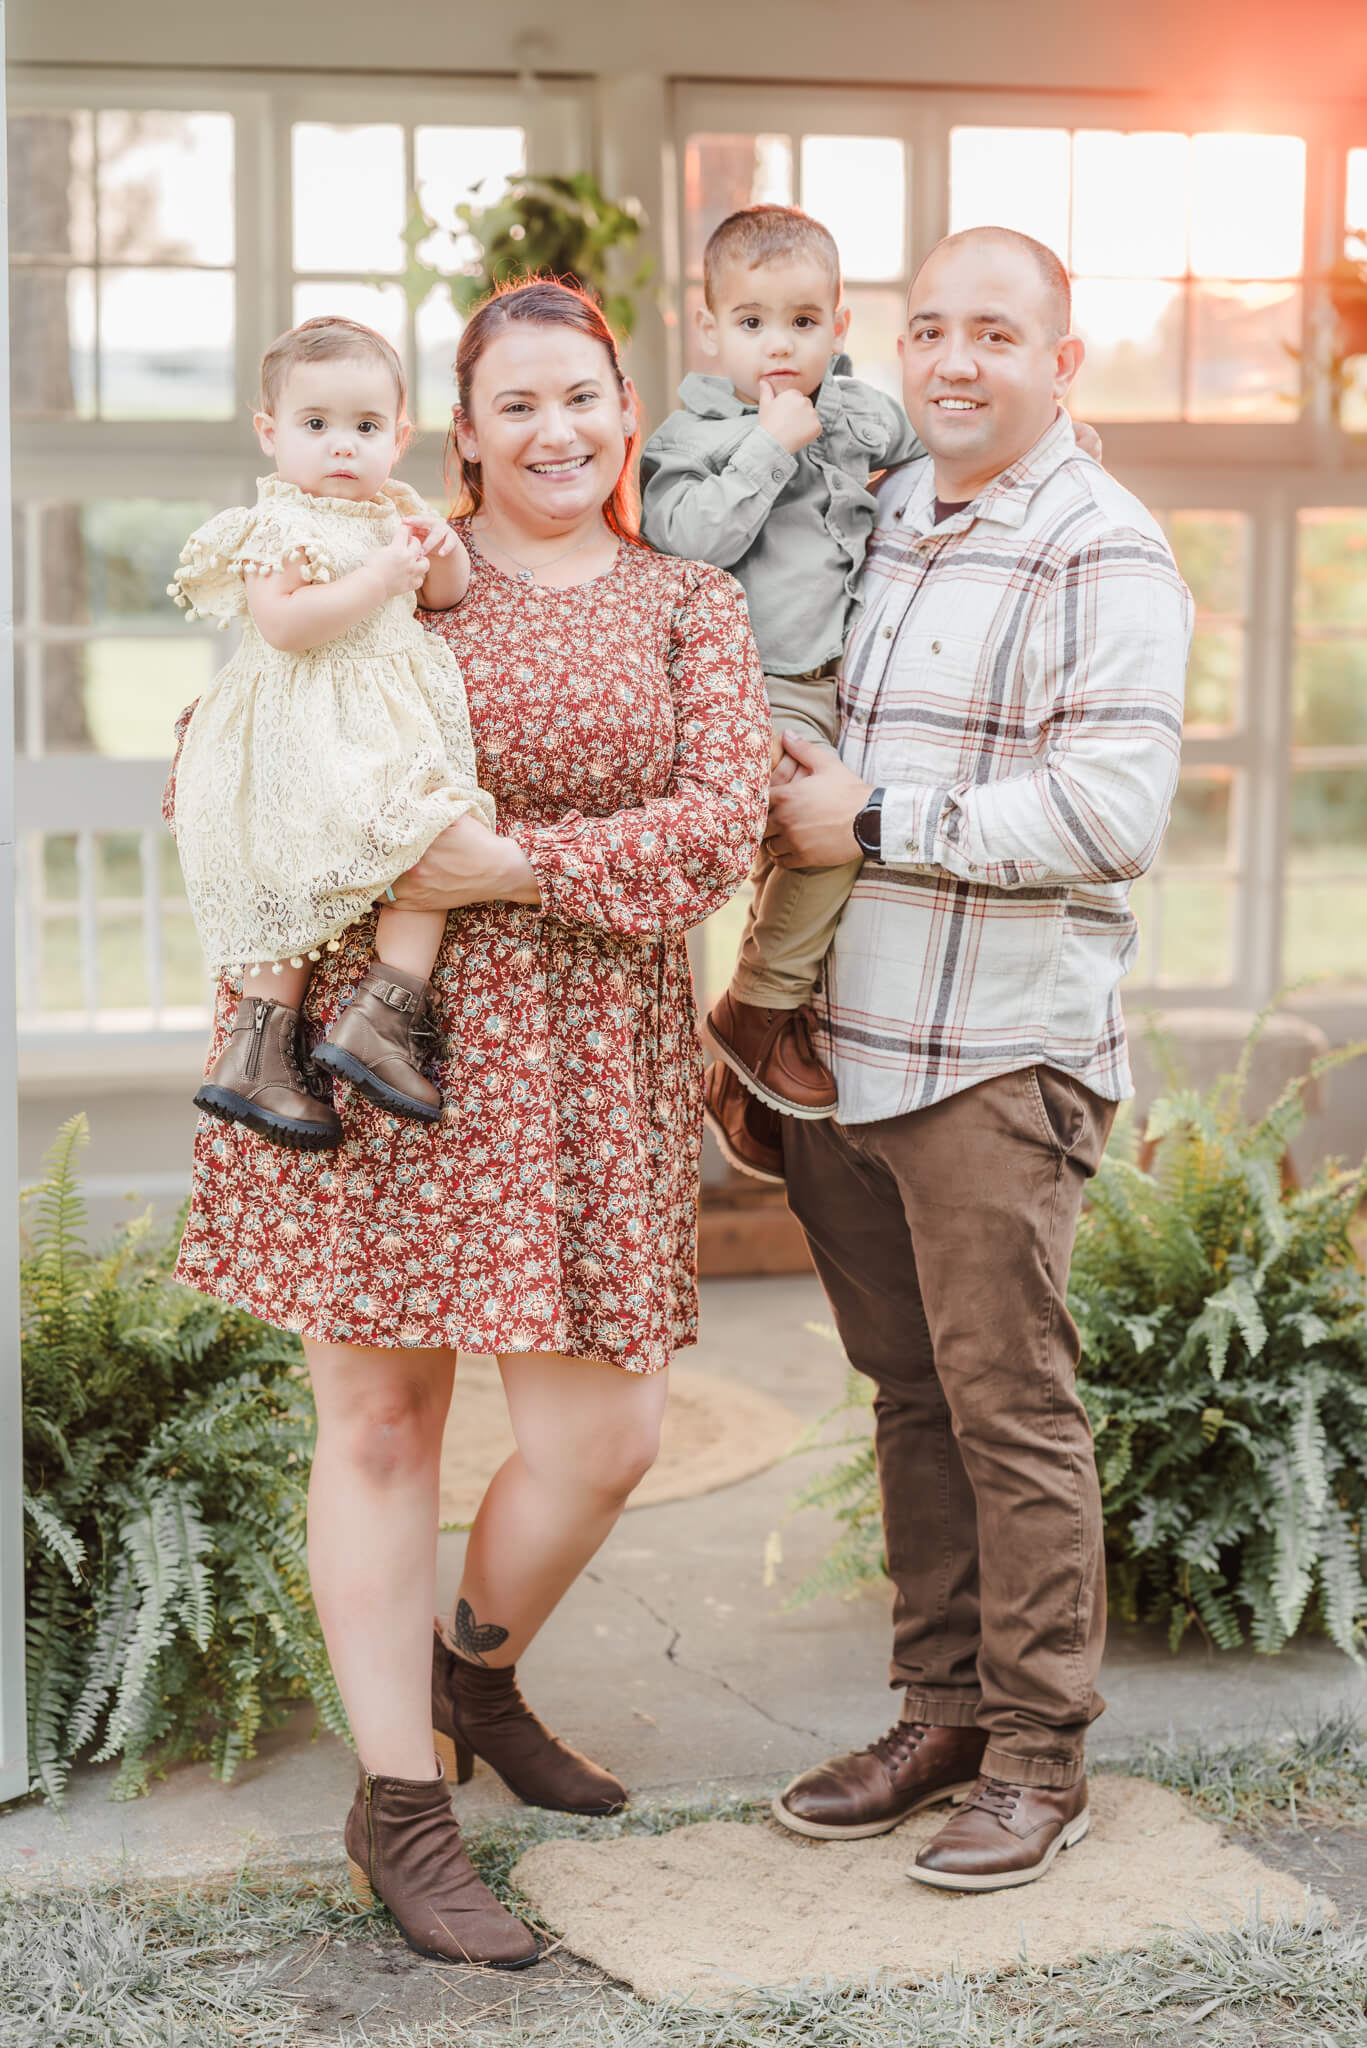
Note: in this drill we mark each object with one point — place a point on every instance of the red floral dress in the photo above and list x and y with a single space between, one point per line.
623 731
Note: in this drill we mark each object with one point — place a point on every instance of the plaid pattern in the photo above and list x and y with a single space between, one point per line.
1015 681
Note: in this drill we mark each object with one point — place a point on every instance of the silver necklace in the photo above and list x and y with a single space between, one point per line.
526 572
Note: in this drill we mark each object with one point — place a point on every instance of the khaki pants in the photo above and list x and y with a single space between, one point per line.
793 911
942 1239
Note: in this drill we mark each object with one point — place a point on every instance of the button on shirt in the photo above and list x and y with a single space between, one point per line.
1015 683
792 529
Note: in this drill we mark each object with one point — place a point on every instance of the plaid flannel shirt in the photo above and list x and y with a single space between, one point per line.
1015 682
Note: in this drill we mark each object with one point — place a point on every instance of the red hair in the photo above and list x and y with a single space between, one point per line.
542 302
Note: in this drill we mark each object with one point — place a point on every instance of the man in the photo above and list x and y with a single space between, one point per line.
1011 720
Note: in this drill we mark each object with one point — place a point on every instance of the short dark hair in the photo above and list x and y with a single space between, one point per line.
765 234
1057 285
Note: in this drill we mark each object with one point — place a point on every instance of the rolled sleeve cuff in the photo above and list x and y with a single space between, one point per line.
764 461
911 824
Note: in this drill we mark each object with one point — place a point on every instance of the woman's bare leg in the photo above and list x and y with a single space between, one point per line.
586 1435
373 1540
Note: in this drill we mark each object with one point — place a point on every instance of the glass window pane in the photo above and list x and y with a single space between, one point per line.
1329 693
1331 567
52 344
437 334
51 199
165 187
1212 553
1129 204
1328 821
1355 210
1196 934
1133 337
1326 920
136 689
876 320
349 198
1198 834
1242 336
724 172
377 306
448 163
129 548
1011 178
166 345
1247 205
1215 674
1325 931
122 697
856 186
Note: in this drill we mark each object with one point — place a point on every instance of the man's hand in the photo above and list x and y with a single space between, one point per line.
787 415
811 818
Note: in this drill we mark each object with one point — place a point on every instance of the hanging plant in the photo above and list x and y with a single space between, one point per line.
541 226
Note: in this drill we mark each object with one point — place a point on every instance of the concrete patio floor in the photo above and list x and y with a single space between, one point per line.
673 1663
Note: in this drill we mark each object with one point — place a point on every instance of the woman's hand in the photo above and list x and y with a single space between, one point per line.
467 863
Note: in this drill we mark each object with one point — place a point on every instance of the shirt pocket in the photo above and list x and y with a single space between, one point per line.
926 706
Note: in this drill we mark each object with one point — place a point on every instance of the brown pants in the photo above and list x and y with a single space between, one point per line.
942 1239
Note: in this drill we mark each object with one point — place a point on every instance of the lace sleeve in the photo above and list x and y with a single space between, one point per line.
215 561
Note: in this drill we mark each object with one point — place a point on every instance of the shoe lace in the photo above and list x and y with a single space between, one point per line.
424 1036
899 1744
994 1796
800 1024
305 1075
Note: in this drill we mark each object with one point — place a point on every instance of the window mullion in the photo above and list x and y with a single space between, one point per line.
1268 793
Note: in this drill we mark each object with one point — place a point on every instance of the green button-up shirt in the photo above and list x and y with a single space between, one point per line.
717 487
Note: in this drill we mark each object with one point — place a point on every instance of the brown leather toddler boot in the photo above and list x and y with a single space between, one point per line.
260 1080
773 1054
746 1130
380 1041
477 1711
403 1845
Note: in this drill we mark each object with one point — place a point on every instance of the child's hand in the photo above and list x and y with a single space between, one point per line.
402 566
433 536
788 416
1087 438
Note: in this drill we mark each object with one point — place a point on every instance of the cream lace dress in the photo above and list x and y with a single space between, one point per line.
309 781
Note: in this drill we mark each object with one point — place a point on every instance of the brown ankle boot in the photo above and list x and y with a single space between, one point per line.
403 1845
260 1080
379 1042
771 1051
480 1712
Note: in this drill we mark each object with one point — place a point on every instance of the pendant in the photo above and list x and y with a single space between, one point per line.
525 576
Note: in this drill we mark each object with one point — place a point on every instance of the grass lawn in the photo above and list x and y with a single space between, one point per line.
273 1961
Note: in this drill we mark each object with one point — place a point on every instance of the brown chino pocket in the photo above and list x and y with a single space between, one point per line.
1077 1121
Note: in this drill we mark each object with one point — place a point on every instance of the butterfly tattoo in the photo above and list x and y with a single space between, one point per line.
473 1638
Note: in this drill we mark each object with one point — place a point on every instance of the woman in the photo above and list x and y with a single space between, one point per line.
620 724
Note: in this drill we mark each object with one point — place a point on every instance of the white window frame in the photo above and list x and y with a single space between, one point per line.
64 461
1270 472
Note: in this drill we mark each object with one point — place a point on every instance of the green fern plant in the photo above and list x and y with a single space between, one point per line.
166 1447
1223 1320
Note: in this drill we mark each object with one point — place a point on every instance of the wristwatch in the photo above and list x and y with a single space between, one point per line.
868 827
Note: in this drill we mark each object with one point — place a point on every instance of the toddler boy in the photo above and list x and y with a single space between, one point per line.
765 472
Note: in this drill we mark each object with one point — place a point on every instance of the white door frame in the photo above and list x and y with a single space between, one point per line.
13 1714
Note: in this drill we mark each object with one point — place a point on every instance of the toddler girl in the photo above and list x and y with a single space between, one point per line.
327 755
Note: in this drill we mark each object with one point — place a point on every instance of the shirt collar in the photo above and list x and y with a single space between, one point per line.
714 398
1005 501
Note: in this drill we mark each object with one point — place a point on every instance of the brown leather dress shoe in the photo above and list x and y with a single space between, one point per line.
380 1041
747 1132
259 1080
1003 1835
478 1711
772 1052
403 1845
871 1790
